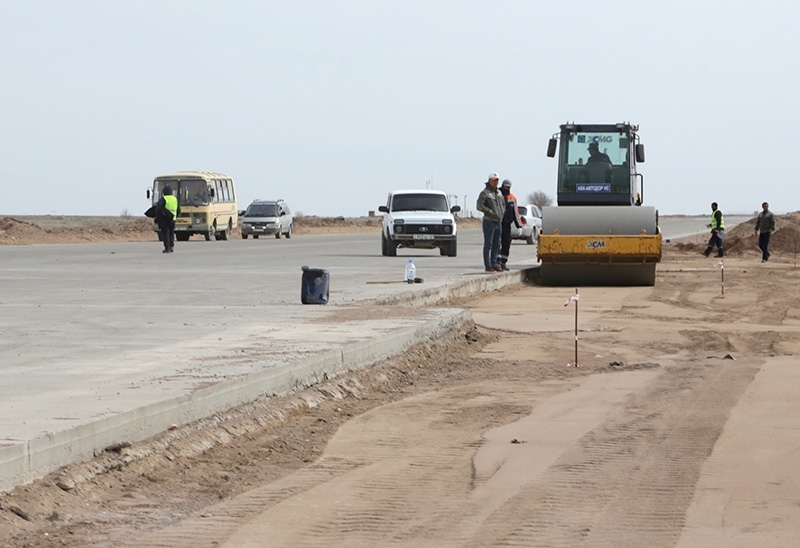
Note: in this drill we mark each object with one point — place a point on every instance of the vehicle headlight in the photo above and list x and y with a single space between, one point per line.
398 229
448 229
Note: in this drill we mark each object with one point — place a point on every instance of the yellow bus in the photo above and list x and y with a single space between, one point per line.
207 200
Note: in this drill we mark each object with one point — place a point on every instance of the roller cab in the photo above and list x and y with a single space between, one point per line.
600 234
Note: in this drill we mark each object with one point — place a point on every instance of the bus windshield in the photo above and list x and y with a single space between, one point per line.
193 193
190 192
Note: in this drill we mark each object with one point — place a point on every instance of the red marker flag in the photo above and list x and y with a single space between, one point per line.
574 298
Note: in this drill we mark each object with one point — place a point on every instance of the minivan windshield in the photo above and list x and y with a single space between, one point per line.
262 210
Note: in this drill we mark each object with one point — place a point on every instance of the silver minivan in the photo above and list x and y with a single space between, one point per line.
267 217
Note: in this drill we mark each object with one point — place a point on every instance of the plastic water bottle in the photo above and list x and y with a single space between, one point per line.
411 271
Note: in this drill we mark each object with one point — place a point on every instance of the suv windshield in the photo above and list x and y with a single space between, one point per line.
419 202
262 210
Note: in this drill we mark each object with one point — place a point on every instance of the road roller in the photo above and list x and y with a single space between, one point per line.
600 233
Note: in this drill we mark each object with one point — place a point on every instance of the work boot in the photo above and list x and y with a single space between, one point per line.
720 254
707 252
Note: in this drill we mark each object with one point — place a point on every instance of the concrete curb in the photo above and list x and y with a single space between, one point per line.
479 283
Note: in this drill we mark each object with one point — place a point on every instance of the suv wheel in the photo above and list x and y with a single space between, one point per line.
391 248
452 248
383 244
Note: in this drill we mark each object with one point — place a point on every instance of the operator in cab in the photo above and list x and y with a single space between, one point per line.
596 156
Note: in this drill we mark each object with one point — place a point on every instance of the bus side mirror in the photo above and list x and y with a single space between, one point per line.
211 192
640 153
148 193
551 148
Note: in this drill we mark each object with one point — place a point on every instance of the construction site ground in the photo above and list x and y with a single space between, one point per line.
680 427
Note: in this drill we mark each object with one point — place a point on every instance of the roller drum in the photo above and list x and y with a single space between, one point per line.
598 221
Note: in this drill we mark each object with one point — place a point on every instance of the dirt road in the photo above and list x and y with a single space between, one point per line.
679 429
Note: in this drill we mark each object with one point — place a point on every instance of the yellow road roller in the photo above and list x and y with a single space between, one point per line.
600 233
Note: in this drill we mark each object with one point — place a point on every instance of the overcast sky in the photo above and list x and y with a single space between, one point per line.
332 104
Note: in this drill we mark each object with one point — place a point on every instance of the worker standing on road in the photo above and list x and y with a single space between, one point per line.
511 216
167 210
717 227
492 204
765 225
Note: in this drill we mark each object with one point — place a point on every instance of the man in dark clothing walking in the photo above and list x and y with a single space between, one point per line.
765 225
717 227
166 211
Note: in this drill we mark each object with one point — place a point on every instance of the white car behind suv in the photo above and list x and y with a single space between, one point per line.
418 219
531 217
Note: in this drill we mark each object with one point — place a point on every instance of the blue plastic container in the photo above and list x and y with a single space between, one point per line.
314 286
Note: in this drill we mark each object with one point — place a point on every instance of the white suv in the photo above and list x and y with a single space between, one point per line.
419 219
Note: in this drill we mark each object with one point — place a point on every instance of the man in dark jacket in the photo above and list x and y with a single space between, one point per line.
167 210
510 217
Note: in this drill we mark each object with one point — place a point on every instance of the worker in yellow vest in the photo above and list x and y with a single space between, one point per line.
167 210
717 226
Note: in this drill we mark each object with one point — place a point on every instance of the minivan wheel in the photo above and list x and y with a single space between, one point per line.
291 229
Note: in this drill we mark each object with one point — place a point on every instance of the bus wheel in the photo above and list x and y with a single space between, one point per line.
225 234
182 236
208 234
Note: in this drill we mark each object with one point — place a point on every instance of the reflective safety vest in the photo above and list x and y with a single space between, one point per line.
714 221
171 205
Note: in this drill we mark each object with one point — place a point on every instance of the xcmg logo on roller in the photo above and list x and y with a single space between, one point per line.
595 244
596 139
